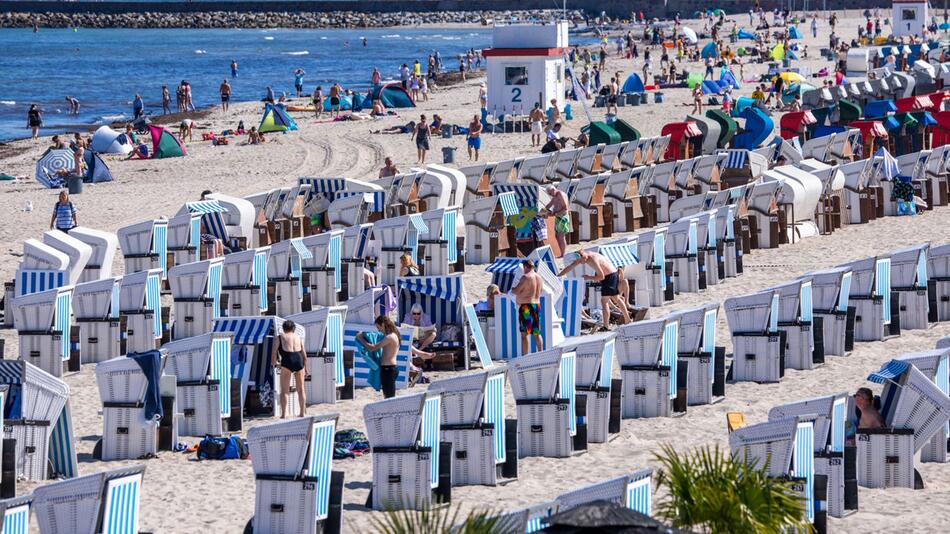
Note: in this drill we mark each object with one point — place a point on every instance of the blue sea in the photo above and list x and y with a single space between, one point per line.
105 68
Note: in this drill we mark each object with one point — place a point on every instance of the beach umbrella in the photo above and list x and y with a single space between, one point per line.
605 516
51 161
791 77
690 35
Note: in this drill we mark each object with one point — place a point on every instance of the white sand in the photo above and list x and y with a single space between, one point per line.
182 495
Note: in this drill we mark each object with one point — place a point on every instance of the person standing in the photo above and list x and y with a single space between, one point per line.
474 137
289 347
73 105
225 91
233 68
166 101
814 26
558 208
317 99
389 169
298 81
528 298
609 278
376 78
421 137
388 345
335 91
34 120
537 124
138 108
64 214
404 75
189 101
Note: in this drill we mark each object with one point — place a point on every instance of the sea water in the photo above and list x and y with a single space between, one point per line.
105 68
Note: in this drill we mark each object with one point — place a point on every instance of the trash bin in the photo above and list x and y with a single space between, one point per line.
74 183
658 97
448 154
633 99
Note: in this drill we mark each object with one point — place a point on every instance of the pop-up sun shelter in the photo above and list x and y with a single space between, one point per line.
633 84
165 144
392 95
108 141
276 119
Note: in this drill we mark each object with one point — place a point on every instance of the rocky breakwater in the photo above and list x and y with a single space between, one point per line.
222 19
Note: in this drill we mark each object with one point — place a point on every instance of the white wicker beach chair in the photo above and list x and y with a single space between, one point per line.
486 232
44 322
184 238
202 365
396 236
910 280
730 239
107 501
831 289
140 304
543 384
354 248
285 274
803 336
632 491
594 356
536 168
103 246
77 251
705 361
329 378
324 267
761 201
622 193
652 275
587 163
758 346
939 268
588 203
682 247
934 365
196 290
145 246
244 281
877 314
661 185
647 352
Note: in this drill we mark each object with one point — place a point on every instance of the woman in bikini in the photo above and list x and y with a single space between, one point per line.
289 348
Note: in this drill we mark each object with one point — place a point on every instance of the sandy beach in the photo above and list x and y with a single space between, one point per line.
182 495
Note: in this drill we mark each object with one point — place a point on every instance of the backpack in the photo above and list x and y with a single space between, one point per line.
232 448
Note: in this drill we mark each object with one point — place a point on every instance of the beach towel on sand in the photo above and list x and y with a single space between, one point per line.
372 358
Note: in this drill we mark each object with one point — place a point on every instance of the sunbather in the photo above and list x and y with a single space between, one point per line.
407 128
416 317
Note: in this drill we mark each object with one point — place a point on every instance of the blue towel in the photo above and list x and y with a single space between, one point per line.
151 364
372 358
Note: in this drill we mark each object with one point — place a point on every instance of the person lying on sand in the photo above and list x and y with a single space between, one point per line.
407 128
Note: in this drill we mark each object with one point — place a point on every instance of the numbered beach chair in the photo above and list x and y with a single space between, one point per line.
77 251
682 247
44 325
712 268
621 191
632 491
239 217
652 275
647 352
877 313
202 366
543 384
484 443
324 267
758 345
565 167
103 246
934 365
329 372
705 361
296 489
285 275
486 227
244 282
37 416
594 355
107 501
661 185
910 281
536 168
762 203
803 335
354 248
831 289
140 304
731 239
588 160
411 468
184 238
361 314
591 212
396 236
15 514
939 270
145 246
196 290
442 299
859 196
439 243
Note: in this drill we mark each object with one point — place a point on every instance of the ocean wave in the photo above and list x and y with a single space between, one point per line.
268 38
298 53
8 102
112 118
324 38
391 36
201 52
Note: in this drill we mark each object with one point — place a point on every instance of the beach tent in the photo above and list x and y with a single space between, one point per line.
633 84
728 79
690 35
108 141
694 79
276 119
711 88
96 169
346 102
392 96
164 143
793 33
797 88
778 52
709 50
743 34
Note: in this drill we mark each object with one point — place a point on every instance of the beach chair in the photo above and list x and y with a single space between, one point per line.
565 166
486 227
939 266
784 449
661 185
859 195
536 168
107 501
914 410
707 171
682 248
239 217
132 426
630 155
286 277
832 209
244 282
594 356
145 246
196 290
588 160
832 459
620 256
626 206
353 251
296 489
484 445
37 416
103 246
202 366
935 170
524 520
683 177
324 267
15 514
396 236
799 201
77 251
609 156
876 308
102 330
501 172
650 369
410 464
657 152
705 361
184 238
831 289
44 328
758 345
796 318
360 315
632 491
440 246
504 322
140 304
910 280
41 269
709 248
543 384
764 215
934 365
329 374
476 181
591 213
652 276
442 299
731 239
452 182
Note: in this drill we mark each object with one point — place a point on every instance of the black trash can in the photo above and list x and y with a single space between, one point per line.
448 154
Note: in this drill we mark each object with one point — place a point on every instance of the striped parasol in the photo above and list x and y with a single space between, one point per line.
52 161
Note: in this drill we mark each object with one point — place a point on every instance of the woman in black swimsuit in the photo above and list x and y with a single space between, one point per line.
289 347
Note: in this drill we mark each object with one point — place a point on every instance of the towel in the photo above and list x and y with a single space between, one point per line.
151 364
372 358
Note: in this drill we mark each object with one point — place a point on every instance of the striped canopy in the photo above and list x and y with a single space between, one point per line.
246 330
735 159
301 249
324 185
418 223
443 287
619 254
205 206
509 204
505 265
891 371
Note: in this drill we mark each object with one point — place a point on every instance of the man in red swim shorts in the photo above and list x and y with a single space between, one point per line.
528 297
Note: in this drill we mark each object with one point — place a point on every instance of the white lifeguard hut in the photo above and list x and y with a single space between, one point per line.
909 17
525 66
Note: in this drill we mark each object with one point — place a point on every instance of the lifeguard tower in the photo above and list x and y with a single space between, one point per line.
909 17
525 66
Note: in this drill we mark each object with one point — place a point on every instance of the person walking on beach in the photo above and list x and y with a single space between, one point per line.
388 344
404 75
474 137
298 81
180 97
64 214
376 78
389 169
73 105
166 101
233 68
528 298
289 347
317 99
138 107
335 91
189 102
225 91
421 137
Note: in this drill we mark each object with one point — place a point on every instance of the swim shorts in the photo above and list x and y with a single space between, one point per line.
528 320
562 224
536 128
609 287
475 142
334 101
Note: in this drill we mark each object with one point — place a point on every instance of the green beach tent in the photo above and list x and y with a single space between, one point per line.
276 119
694 79
601 132
165 144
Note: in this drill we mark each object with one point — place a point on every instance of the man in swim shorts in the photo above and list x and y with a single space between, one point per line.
528 297
474 137
609 278
537 124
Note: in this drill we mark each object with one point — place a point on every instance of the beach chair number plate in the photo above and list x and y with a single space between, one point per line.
487 432
892 459
603 394
34 354
639 391
864 437
561 407
461 455
189 412
704 360
212 387
835 461
122 430
309 486
537 428
189 319
664 373
277 508
394 479
423 456
93 340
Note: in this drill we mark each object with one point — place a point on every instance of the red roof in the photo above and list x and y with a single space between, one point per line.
870 128
912 103
679 130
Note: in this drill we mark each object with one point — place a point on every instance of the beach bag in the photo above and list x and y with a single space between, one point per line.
232 448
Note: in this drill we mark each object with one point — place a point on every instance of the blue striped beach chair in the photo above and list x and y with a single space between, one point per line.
647 352
103 246
140 303
910 280
184 238
285 274
41 258
324 267
396 236
128 432
543 385
213 221
244 281
107 501
536 168
705 360
682 246
758 345
439 244
473 421
934 365
196 290
761 202
442 299
239 217
15 514
938 267
652 274
145 246
730 239
404 436
486 227
803 336
712 264
77 251
525 520
830 414
783 448
354 249
877 312
30 281
632 491
327 374
296 488
44 323
37 416
202 365
594 356
831 289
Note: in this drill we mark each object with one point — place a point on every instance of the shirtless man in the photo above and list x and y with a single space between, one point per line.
528 297
389 345
609 278
558 207
537 124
